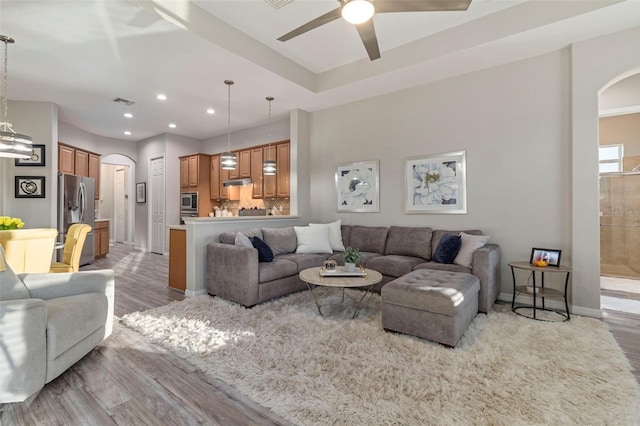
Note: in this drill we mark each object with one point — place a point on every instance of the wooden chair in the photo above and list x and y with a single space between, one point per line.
29 250
72 250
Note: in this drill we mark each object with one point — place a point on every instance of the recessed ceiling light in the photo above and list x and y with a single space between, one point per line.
128 133
211 111
172 125
128 115
162 97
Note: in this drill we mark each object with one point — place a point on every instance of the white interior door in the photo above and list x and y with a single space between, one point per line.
120 206
157 206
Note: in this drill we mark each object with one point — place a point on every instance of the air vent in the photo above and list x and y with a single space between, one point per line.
123 101
277 4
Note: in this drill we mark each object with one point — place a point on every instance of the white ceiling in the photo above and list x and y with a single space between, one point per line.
81 54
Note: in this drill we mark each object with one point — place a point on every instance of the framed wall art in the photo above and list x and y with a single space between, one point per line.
37 158
436 183
357 187
30 187
141 192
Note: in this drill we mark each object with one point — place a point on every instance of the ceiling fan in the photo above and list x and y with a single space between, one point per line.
360 13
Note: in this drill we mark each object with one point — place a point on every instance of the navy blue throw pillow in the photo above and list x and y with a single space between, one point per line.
265 254
447 249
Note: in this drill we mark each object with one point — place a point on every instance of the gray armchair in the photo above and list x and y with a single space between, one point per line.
48 322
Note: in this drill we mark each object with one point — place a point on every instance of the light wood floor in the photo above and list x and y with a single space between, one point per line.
127 380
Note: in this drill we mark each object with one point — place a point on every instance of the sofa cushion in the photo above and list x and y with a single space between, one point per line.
451 267
346 234
438 233
230 237
305 261
409 241
335 234
313 239
278 268
394 265
368 238
11 287
264 251
281 240
447 249
243 240
470 243
71 319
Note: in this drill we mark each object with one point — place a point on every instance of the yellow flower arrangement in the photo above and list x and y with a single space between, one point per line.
7 222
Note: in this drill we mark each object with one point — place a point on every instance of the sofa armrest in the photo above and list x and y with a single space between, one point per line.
51 286
232 272
23 348
486 266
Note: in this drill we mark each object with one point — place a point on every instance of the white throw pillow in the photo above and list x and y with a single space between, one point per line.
313 239
335 234
243 240
470 243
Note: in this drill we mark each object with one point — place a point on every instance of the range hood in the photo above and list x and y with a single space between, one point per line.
237 182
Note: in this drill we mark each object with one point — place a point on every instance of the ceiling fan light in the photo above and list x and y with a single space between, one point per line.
358 11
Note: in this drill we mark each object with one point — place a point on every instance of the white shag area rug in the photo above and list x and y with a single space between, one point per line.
506 370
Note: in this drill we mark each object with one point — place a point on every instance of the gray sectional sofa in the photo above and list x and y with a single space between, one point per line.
234 272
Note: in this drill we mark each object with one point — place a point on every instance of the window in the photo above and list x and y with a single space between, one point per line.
611 158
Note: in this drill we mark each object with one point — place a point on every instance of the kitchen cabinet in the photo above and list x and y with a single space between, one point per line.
214 185
178 259
80 162
256 173
195 175
66 159
243 166
101 236
283 169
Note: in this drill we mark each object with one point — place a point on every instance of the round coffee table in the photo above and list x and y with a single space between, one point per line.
315 280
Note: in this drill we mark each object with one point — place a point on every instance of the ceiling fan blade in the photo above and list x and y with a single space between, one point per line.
368 35
387 6
315 23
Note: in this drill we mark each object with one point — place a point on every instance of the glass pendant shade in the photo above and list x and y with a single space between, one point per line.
228 161
12 144
358 11
269 167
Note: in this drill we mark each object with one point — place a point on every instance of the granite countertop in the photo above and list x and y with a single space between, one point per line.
235 218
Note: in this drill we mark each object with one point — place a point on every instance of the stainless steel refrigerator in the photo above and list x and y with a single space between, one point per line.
76 205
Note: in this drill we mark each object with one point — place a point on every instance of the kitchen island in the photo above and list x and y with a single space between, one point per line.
201 231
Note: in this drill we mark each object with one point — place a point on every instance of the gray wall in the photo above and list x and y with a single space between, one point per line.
253 136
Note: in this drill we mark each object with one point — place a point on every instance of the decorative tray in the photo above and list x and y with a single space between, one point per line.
340 272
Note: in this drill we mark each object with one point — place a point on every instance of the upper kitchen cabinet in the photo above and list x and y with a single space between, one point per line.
214 185
184 173
79 162
195 172
256 173
243 168
283 169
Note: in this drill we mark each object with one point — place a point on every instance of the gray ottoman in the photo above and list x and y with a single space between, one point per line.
434 305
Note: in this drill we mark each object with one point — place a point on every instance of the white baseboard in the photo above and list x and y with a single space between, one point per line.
553 304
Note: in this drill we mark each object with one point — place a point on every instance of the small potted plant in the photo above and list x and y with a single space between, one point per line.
351 257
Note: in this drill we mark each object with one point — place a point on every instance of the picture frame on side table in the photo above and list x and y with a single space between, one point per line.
358 187
551 256
37 158
436 183
30 187
141 192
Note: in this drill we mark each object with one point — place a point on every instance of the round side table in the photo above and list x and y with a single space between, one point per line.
540 291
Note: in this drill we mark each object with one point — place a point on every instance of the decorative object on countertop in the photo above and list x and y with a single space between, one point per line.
357 187
7 222
436 183
12 144
228 159
268 165
351 257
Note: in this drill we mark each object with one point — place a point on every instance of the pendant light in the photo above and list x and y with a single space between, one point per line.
12 144
228 159
269 166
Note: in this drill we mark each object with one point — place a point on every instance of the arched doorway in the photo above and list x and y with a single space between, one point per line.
117 196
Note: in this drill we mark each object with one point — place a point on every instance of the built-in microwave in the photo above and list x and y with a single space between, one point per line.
189 203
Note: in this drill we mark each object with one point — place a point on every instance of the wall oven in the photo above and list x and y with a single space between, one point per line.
189 204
